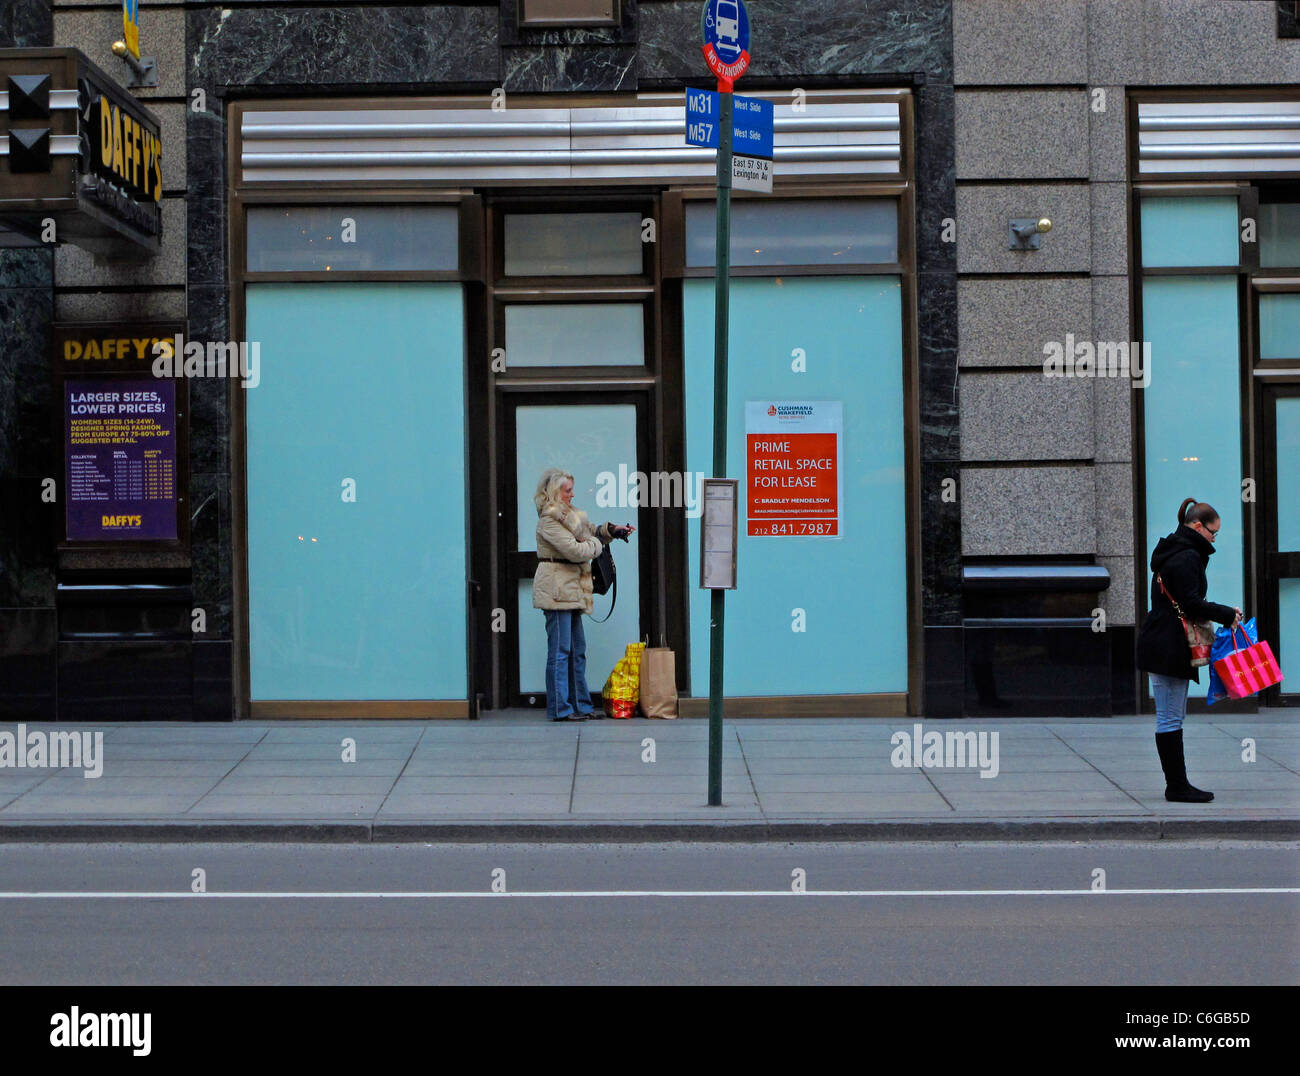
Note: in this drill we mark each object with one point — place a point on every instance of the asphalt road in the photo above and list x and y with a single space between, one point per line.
871 914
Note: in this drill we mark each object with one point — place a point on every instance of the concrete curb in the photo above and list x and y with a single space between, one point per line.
576 832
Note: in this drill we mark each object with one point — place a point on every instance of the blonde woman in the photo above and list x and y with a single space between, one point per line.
566 545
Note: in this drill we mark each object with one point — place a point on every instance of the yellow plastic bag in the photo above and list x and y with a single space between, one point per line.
623 688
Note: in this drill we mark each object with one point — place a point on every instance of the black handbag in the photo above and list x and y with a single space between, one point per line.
604 578
603 575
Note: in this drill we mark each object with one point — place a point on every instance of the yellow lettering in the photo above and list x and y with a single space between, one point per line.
157 169
137 136
128 148
92 350
119 163
71 350
105 133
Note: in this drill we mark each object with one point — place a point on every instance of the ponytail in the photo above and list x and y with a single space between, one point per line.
1199 512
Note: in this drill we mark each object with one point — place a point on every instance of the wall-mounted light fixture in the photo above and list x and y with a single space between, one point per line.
1025 233
144 72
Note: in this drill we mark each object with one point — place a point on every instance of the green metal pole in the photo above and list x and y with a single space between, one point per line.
717 598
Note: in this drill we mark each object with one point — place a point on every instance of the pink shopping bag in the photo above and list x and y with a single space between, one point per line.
1248 670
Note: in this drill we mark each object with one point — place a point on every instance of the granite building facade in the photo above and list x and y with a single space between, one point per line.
997 534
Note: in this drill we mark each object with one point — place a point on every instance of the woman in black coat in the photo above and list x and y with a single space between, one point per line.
1179 560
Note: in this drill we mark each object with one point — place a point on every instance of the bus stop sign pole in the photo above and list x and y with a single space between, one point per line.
721 309
724 25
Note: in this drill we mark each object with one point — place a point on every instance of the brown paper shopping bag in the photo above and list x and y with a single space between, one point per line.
658 682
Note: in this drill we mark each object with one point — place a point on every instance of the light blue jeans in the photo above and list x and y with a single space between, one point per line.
566 664
1171 701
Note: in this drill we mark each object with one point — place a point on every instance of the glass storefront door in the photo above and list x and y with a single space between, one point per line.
597 441
1280 581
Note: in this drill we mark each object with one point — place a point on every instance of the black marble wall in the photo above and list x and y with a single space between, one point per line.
26 24
1288 18
794 39
267 48
27 516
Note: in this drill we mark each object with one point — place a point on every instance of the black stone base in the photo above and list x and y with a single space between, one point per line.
1049 670
115 680
945 672
27 671
213 687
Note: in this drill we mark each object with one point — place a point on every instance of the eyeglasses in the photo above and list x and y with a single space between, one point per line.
1210 534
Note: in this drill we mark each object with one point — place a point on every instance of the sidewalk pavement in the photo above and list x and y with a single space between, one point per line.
516 776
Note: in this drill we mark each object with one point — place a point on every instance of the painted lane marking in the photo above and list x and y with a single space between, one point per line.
704 893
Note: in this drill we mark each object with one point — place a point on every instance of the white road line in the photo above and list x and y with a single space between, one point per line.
703 893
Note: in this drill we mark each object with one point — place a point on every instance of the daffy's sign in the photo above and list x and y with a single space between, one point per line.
80 158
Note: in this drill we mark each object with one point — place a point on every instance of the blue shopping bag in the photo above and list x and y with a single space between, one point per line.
1221 648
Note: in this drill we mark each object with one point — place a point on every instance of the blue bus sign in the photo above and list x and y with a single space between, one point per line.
751 122
751 126
702 112
724 26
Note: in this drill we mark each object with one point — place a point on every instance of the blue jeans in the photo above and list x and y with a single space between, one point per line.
1171 701
566 664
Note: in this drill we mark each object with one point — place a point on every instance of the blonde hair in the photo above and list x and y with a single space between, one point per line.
548 489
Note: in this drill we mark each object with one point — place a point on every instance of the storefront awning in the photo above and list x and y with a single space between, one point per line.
1218 138
838 134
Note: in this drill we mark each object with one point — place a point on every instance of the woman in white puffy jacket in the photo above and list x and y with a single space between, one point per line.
566 545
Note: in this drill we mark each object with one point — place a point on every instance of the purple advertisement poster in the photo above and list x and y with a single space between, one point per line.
121 453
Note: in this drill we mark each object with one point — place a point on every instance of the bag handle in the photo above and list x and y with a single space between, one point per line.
1233 631
613 602
1170 597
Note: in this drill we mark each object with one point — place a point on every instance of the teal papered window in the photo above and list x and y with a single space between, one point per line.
1193 417
852 589
575 334
1279 235
359 599
1190 231
353 238
1279 325
815 231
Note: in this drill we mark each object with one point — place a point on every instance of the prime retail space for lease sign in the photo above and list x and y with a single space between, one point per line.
792 453
121 453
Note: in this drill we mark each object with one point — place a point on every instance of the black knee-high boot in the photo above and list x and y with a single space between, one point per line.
1169 745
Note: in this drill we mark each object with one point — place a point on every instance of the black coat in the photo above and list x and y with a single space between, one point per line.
1180 559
